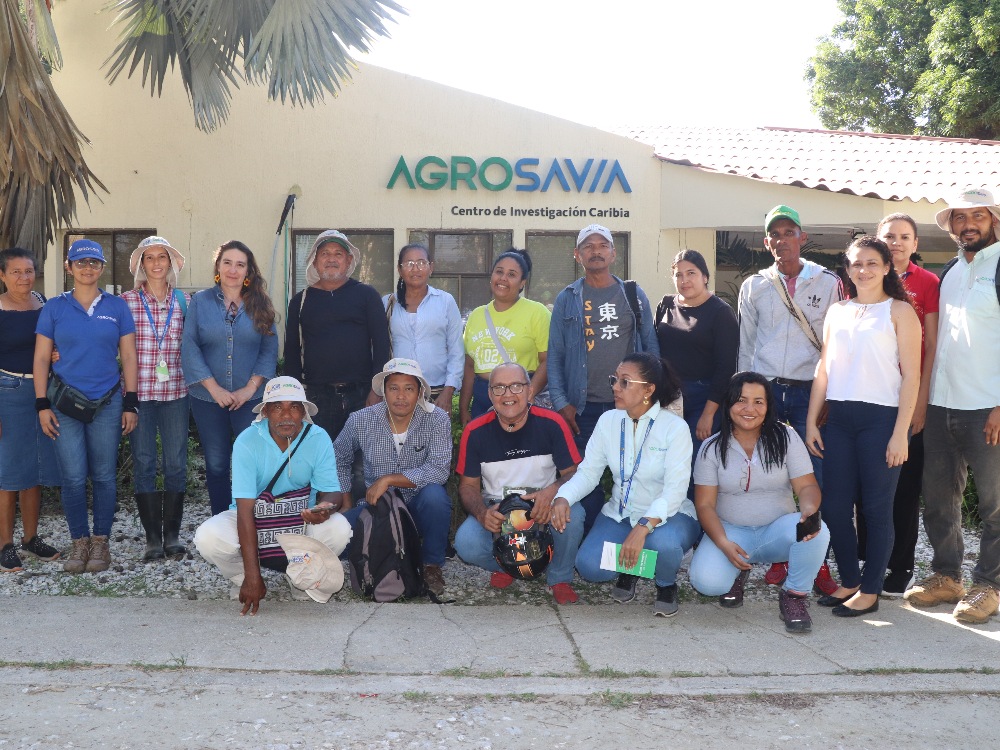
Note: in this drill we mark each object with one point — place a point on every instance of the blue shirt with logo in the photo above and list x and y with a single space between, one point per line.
87 343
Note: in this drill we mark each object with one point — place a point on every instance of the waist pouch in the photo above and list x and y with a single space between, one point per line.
71 402
278 515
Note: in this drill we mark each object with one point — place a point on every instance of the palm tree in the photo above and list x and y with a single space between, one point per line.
298 48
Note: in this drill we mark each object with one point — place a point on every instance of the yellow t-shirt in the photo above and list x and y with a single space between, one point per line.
523 328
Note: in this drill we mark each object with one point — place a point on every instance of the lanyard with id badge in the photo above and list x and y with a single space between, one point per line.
161 371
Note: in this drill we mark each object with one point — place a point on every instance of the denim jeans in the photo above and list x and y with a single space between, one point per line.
172 419
695 394
671 540
431 511
712 574
856 437
586 421
480 397
792 405
217 428
89 450
474 545
953 443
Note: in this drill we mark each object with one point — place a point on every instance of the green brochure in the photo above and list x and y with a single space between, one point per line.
644 568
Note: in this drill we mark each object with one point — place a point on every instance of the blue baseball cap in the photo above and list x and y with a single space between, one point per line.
85 249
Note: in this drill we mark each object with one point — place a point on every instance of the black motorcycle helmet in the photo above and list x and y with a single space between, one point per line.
523 548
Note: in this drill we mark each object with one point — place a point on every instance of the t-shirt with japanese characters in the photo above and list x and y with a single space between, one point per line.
608 328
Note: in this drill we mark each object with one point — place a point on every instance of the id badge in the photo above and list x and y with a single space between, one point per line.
162 373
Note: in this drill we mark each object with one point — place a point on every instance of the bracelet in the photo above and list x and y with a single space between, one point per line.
42 404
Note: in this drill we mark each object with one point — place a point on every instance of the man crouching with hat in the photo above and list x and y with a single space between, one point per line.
284 513
406 442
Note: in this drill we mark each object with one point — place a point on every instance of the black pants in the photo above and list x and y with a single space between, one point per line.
335 405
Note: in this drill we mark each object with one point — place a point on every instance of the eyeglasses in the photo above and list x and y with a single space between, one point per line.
625 382
88 263
411 264
515 388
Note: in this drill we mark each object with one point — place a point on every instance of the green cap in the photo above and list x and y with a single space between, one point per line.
782 212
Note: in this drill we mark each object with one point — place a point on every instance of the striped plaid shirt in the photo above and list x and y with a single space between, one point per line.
145 343
425 458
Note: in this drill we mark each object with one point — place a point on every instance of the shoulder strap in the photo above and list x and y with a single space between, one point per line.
948 266
661 308
794 310
181 301
302 341
493 335
633 300
277 474
388 319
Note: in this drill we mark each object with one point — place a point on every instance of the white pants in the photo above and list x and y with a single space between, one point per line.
218 541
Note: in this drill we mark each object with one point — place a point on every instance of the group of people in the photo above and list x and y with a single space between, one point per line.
721 431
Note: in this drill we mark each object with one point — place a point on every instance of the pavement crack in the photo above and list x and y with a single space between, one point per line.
350 636
581 663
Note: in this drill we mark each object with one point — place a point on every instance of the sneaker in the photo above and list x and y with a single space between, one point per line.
794 612
434 579
666 601
9 560
935 589
100 554
79 554
824 585
776 574
735 596
624 589
298 595
40 549
501 580
563 593
979 605
897 582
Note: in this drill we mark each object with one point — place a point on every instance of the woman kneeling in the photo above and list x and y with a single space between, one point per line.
744 478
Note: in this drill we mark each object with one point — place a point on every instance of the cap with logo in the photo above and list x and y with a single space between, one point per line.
285 388
782 212
594 229
85 249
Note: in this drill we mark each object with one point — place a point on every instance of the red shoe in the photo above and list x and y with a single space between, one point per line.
824 583
501 580
563 593
776 574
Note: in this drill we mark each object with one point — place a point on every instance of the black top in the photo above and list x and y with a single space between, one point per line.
345 332
700 343
17 339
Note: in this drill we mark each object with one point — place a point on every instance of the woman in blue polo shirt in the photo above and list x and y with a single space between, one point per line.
91 329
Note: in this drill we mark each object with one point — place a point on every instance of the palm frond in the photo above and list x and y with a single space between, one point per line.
42 32
42 161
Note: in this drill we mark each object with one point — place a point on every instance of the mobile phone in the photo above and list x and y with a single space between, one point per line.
324 508
807 527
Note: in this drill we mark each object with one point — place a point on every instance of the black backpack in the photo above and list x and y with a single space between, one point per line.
384 554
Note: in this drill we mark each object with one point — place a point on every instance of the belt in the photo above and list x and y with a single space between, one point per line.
796 383
341 388
27 375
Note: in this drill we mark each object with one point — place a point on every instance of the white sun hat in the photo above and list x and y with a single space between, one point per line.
135 261
970 198
312 566
285 388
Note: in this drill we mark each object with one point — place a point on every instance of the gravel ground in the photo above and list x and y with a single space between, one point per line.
193 578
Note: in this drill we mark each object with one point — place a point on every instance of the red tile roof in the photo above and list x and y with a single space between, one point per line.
890 167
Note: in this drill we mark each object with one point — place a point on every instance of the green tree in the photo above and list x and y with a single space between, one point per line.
929 67
297 48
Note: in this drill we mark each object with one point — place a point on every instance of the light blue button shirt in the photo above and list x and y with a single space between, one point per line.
432 336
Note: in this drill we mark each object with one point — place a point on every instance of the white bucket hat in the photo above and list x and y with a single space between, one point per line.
330 235
400 366
970 198
135 261
312 566
285 388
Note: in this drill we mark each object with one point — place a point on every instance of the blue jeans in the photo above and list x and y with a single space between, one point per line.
712 574
480 397
89 450
671 540
172 420
955 442
695 394
431 511
791 404
586 421
474 545
856 437
217 428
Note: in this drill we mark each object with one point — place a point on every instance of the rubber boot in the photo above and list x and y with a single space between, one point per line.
150 505
173 512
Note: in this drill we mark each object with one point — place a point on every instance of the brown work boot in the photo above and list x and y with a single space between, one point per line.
979 605
100 554
434 579
935 589
78 556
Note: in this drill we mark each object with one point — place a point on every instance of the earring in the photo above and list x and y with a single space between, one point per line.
246 283
217 278
645 400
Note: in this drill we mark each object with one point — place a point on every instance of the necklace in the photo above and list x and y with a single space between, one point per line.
863 308
513 425
395 430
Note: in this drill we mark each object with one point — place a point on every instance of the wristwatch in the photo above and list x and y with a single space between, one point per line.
647 523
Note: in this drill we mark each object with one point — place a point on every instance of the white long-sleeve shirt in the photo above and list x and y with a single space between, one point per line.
659 488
